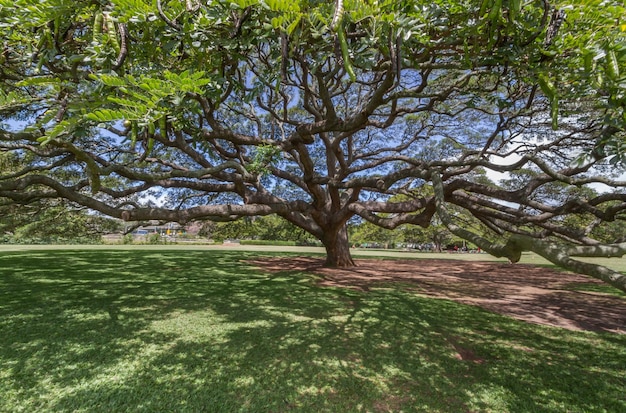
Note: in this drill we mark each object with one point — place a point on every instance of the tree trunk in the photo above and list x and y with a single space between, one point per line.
337 248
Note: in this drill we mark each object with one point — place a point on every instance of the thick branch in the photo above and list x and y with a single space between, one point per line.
513 246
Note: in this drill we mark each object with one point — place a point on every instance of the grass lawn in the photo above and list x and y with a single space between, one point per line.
199 330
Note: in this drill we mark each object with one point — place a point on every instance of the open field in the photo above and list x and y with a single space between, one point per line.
202 329
527 258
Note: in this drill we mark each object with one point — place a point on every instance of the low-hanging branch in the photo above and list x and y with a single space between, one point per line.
512 246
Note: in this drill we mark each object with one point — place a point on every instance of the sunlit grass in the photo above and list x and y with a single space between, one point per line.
152 330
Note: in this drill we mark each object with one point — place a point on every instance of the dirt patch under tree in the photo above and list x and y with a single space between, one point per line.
529 293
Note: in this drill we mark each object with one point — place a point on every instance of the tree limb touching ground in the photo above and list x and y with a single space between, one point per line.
324 113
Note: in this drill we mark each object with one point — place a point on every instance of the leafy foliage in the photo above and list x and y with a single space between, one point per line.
270 228
49 222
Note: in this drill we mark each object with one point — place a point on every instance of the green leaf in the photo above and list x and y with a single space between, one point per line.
547 87
38 81
294 24
105 115
110 80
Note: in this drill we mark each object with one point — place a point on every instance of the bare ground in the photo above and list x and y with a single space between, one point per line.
529 293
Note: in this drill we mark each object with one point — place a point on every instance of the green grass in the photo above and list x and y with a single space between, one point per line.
167 330
596 288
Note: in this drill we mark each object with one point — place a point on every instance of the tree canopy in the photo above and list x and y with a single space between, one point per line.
393 112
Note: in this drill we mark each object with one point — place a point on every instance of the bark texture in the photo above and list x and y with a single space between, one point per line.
337 248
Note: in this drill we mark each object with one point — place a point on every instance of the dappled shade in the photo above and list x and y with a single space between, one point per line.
157 330
530 293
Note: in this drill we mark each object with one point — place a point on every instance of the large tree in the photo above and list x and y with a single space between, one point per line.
321 111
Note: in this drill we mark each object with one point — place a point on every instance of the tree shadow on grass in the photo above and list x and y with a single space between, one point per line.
530 293
203 331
